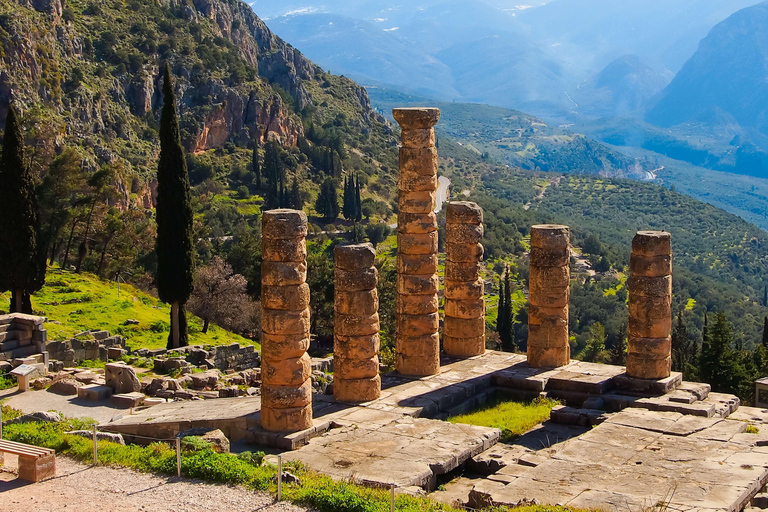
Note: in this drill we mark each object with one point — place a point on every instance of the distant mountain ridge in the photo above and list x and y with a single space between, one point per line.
729 71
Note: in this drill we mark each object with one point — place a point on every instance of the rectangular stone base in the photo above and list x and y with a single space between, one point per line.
34 469
287 441
94 392
651 387
127 400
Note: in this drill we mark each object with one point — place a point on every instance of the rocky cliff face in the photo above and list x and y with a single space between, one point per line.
92 78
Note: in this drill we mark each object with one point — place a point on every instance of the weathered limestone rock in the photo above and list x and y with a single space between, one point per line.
549 292
418 346
122 378
649 351
464 330
356 325
286 403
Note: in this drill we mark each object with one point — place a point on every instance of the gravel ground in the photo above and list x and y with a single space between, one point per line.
70 406
83 488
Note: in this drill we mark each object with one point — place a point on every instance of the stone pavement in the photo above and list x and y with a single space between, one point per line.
639 458
69 406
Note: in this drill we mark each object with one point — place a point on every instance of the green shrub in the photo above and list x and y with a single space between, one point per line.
194 444
254 459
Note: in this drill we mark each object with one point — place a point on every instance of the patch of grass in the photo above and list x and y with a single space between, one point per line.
512 418
751 429
78 302
7 382
315 491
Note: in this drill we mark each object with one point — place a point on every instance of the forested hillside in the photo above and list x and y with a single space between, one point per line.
263 127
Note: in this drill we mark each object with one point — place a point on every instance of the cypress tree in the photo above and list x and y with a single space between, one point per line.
348 208
505 323
500 316
273 173
358 203
295 200
765 332
327 204
20 258
618 354
255 166
175 250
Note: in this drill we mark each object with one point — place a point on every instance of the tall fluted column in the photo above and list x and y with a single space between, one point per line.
418 341
464 329
356 325
286 392
649 351
549 292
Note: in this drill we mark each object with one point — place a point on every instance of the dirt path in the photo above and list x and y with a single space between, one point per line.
553 183
82 488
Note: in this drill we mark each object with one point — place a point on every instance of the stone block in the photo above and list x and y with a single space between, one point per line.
424 201
645 367
356 325
418 346
548 258
418 138
286 420
640 286
416 118
543 357
127 400
35 469
650 266
464 233
284 224
463 212
287 372
463 347
465 308
417 264
463 252
278 346
278 273
418 325
356 280
356 347
100 335
353 369
465 291
94 392
359 390
417 223
411 181
417 304
354 257
425 243
650 317
275 321
115 353
551 236
650 348
419 160
418 284
417 366
464 327
287 298
287 397
284 250
462 271
652 243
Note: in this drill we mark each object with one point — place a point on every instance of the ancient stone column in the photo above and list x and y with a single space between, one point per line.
649 351
549 291
356 325
418 341
286 392
464 328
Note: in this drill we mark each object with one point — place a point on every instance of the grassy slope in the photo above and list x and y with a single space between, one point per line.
79 302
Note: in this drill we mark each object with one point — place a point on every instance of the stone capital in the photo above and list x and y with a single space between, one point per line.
416 118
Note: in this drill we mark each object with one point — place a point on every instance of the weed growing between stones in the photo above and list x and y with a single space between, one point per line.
512 418
316 491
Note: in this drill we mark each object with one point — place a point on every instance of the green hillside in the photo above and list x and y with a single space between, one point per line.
78 302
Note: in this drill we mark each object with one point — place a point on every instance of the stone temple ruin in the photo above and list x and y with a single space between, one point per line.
658 438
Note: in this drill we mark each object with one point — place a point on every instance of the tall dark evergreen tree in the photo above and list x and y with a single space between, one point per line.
505 324
618 355
684 350
255 165
273 174
327 204
175 248
721 365
358 203
765 332
22 266
348 202
294 199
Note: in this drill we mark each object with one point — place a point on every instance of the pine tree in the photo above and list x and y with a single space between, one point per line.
348 208
765 296
273 174
295 201
684 349
174 246
22 266
619 349
765 332
358 203
500 314
255 166
505 324
594 351
720 364
327 204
